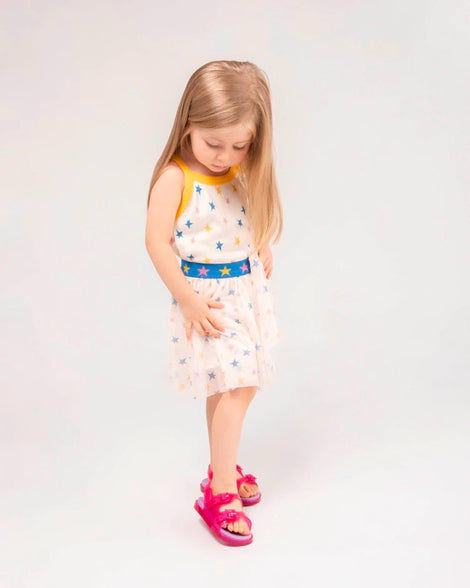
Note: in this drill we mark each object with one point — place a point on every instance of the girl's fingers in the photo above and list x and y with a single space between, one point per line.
213 321
208 324
209 329
217 325
214 304
198 328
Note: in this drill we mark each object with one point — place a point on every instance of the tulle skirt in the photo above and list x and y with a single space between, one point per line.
241 356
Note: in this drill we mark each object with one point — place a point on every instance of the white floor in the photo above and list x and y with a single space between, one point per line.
348 500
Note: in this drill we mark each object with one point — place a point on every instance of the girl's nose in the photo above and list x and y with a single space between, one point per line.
222 155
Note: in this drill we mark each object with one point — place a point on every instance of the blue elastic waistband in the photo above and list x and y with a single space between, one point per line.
215 270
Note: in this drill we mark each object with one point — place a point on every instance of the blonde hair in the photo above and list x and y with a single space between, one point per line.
221 94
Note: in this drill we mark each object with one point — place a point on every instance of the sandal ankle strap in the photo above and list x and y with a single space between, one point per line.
245 478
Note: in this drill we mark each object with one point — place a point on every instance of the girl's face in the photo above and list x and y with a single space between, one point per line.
217 150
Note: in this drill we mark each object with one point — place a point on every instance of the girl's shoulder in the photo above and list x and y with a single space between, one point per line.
168 185
172 172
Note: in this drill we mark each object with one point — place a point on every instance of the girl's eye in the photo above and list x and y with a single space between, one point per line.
211 145
240 148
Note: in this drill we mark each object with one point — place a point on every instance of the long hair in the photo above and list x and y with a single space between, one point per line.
221 94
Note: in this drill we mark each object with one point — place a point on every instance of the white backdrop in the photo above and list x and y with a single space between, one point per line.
362 449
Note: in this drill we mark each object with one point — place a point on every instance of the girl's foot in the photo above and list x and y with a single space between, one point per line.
223 514
240 526
247 488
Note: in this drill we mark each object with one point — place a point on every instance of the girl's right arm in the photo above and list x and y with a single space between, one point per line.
165 198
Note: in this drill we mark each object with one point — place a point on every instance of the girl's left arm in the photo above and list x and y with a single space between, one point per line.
266 258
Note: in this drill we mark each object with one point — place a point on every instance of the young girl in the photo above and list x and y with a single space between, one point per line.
213 203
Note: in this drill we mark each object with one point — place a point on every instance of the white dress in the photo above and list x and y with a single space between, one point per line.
211 227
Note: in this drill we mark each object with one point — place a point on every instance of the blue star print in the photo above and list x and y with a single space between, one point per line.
189 223
235 363
219 245
211 376
240 222
243 210
179 234
175 339
198 189
212 205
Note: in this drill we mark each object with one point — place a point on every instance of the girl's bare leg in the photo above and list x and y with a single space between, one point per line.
245 490
225 414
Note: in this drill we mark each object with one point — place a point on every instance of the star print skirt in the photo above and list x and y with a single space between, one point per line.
241 356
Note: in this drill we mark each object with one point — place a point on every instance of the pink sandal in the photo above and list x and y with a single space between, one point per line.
245 479
209 509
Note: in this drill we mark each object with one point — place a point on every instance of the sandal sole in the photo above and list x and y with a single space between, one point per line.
225 537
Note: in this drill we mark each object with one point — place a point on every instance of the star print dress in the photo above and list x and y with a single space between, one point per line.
212 227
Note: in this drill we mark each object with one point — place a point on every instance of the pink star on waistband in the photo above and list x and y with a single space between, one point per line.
203 271
244 267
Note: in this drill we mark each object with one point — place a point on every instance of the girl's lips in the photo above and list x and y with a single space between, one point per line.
220 168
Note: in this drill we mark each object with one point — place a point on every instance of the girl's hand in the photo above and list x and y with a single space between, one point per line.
197 314
266 259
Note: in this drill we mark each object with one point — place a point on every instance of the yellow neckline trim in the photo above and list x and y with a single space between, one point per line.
202 178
